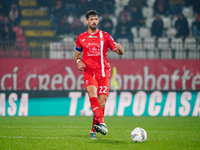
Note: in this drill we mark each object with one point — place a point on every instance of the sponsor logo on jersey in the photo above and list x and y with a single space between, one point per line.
90 36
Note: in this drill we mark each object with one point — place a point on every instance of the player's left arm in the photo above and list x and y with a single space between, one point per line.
118 49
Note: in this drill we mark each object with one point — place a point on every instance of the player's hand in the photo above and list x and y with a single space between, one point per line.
81 65
118 48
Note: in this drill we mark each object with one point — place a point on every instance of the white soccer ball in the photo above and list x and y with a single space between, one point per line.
138 135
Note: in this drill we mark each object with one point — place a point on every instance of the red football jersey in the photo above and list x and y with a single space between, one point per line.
95 48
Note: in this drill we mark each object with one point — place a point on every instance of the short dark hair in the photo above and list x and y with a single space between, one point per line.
91 13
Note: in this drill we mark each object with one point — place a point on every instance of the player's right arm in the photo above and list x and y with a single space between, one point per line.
77 58
77 55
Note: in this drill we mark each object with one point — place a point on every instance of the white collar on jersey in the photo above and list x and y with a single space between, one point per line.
94 32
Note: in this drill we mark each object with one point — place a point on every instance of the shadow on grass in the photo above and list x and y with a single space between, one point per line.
101 139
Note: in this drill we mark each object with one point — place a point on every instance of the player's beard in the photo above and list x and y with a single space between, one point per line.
93 28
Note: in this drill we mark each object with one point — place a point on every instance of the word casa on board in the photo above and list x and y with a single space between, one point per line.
16 107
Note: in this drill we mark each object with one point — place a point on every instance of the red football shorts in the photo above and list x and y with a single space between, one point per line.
101 83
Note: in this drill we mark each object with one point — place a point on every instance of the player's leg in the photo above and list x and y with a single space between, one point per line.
103 91
98 114
102 126
91 85
102 101
96 107
94 122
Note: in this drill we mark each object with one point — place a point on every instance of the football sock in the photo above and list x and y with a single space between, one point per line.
97 110
103 110
95 122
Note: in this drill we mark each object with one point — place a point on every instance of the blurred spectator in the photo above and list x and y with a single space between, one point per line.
138 3
161 7
81 7
181 26
196 27
1 20
1 7
6 21
108 6
125 14
123 30
57 13
106 23
176 6
14 15
157 26
77 26
8 36
196 6
6 4
64 26
70 7
44 4
137 17
187 3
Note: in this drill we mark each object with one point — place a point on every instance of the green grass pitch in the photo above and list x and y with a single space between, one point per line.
72 133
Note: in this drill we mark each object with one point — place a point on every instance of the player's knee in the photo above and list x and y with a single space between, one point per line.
91 94
102 103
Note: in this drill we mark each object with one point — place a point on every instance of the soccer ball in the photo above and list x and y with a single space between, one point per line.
138 135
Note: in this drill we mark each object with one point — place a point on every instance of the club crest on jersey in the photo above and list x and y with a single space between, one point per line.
111 37
90 36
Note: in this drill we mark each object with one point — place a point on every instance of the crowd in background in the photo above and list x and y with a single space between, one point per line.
61 11
10 16
130 16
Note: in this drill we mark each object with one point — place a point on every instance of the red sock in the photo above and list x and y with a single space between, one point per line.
97 110
103 110
95 122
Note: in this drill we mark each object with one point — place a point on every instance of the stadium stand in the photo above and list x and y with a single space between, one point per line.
37 27
13 43
43 25
147 12
150 48
164 48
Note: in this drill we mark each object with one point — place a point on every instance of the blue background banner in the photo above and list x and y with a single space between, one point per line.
120 103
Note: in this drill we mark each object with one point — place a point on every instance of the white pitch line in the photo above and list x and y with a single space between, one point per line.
22 137
66 137
42 127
